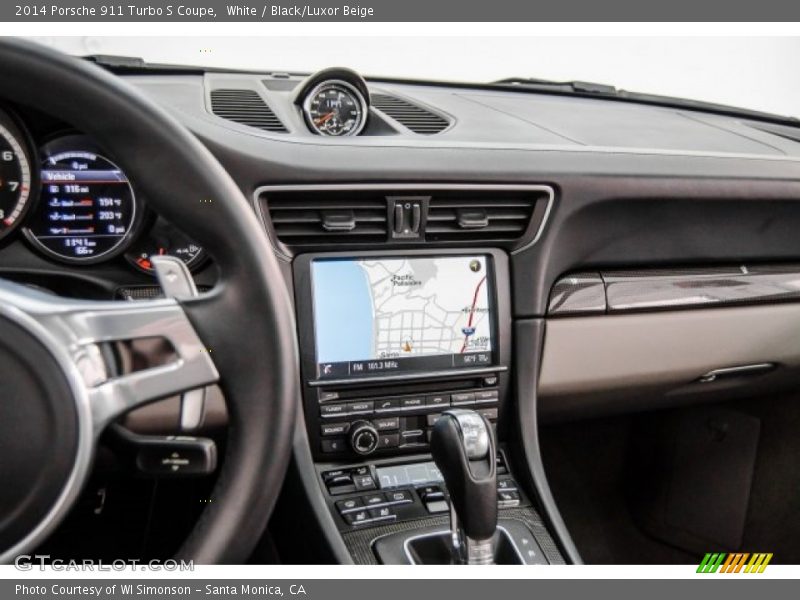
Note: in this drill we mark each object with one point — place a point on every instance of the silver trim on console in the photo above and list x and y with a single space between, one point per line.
615 292
446 532
737 371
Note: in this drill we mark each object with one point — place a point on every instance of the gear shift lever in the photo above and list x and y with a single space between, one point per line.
463 447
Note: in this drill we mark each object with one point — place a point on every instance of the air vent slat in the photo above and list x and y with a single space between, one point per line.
419 120
277 205
245 107
300 220
496 228
502 218
285 232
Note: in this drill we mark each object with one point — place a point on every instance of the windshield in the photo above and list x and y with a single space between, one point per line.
753 73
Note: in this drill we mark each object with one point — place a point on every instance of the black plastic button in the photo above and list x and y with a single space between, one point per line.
329 475
333 445
334 428
339 480
363 470
438 400
433 418
373 499
387 404
414 402
362 407
391 440
507 498
338 490
386 423
430 492
462 399
364 482
506 484
176 455
327 396
385 512
437 506
412 436
486 396
400 497
354 518
332 410
349 505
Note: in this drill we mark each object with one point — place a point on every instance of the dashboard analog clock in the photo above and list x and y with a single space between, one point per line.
335 108
15 175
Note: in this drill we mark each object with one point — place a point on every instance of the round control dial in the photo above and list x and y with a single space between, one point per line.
363 437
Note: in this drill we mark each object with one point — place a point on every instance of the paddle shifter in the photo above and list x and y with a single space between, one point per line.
463 447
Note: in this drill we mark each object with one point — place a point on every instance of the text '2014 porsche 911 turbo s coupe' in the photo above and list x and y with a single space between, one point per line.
261 316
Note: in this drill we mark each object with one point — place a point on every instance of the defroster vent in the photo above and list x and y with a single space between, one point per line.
245 107
416 118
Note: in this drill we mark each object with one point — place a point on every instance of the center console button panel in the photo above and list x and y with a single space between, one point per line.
359 498
396 422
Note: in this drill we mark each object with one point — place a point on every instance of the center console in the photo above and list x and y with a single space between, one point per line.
391 341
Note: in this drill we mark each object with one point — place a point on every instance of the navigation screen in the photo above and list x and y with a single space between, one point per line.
382 315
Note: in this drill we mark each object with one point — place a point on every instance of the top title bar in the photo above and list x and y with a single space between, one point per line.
400 11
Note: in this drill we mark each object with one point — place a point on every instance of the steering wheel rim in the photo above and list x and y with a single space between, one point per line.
247 316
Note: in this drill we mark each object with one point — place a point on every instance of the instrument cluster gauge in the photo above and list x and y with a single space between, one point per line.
87 210
335 108
164 239
16 175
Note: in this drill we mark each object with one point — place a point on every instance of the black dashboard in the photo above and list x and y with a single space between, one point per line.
684 177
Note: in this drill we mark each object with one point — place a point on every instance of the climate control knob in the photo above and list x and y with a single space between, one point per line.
363 437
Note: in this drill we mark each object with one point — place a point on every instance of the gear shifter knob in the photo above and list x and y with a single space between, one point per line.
463 447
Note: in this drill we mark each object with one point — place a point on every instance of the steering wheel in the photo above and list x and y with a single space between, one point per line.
56 395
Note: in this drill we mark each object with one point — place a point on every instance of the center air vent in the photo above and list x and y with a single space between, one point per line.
245 107
505 217
372 216
314 219
417 119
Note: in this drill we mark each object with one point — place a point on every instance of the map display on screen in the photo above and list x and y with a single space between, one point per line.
380 315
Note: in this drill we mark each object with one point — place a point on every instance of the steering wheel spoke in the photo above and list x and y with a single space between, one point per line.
76 329
53 350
